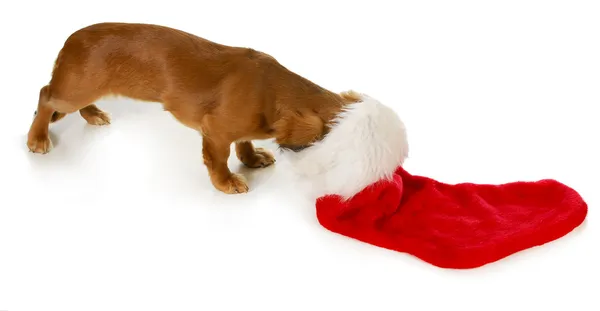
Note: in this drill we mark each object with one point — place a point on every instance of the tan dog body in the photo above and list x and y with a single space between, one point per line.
228 94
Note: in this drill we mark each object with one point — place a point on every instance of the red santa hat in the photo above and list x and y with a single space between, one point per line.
363 192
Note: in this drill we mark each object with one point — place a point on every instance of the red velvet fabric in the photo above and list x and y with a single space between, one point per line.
456 226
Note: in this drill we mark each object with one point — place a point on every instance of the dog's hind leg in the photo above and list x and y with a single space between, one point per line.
38 140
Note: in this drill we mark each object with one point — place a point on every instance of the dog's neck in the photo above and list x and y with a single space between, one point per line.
307 116
303 110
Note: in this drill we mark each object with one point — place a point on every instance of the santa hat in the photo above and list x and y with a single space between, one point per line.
363 192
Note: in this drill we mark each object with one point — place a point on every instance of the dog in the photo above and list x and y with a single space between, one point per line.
230 95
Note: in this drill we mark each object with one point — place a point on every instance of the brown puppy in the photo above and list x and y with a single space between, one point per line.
228 94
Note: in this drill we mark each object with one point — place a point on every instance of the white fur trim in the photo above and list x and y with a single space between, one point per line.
367 143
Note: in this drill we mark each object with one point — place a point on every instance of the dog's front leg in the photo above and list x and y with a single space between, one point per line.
216 153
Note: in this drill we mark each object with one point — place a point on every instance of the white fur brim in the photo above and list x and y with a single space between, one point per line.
367 143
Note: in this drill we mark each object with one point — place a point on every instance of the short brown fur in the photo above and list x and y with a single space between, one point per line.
228 94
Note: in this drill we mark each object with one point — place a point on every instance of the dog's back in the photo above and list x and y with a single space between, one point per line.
141 61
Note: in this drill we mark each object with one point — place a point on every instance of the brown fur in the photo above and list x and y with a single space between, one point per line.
228 94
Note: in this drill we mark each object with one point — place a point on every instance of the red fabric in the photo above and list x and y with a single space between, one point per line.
456 226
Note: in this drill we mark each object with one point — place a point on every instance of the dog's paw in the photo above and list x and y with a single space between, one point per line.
98 118
39 144
260 158
236 183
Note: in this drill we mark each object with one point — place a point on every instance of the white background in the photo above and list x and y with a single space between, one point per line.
124 217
